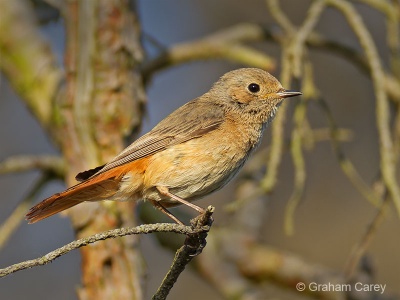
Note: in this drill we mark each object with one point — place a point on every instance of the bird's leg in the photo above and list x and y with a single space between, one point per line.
159 206
165 192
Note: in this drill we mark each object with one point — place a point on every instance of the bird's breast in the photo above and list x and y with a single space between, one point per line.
200 166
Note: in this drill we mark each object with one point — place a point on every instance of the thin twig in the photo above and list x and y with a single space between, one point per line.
280 17
12 222
396 131
299 164
275 154
393 36
324 134
297 53
361 247
277 140
142 229
299 38
346 165
298 141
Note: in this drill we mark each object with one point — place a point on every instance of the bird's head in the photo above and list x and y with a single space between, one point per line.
253 91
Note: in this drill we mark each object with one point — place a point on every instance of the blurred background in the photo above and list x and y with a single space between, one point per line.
332 216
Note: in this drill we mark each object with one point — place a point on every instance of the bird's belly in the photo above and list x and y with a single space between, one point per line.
191 170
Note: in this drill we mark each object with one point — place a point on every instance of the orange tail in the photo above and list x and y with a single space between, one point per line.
91 190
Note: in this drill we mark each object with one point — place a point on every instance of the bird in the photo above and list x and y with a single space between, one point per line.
194 151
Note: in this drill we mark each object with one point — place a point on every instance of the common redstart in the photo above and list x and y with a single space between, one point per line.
193 152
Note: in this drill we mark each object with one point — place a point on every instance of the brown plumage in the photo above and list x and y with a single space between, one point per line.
192 152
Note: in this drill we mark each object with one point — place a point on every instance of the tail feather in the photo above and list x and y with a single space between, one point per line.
91 190
95 188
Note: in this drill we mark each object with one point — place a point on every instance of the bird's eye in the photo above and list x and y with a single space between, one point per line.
254 87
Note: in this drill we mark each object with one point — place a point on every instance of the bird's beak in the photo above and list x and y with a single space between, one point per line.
287 94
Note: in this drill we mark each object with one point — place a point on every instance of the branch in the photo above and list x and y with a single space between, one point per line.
13 221
275 154
51 167
382 6
346 165
280 17
293 62
294 57
387 155
236 264
319 42
324 134
296 149
27 59
193 246
142 229
361 247
222 44
20 163
298 40
261 264
247 32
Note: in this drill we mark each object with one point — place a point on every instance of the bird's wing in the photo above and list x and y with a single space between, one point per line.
190 121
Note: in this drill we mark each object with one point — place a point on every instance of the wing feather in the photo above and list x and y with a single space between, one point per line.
192 120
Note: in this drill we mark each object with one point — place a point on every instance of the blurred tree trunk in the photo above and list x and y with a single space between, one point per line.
101 100
87 117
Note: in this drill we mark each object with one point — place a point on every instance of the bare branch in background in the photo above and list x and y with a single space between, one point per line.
387 154
22 163
27 60
361 247
346 165
52 167
8 227
275 153
225 44
295 56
